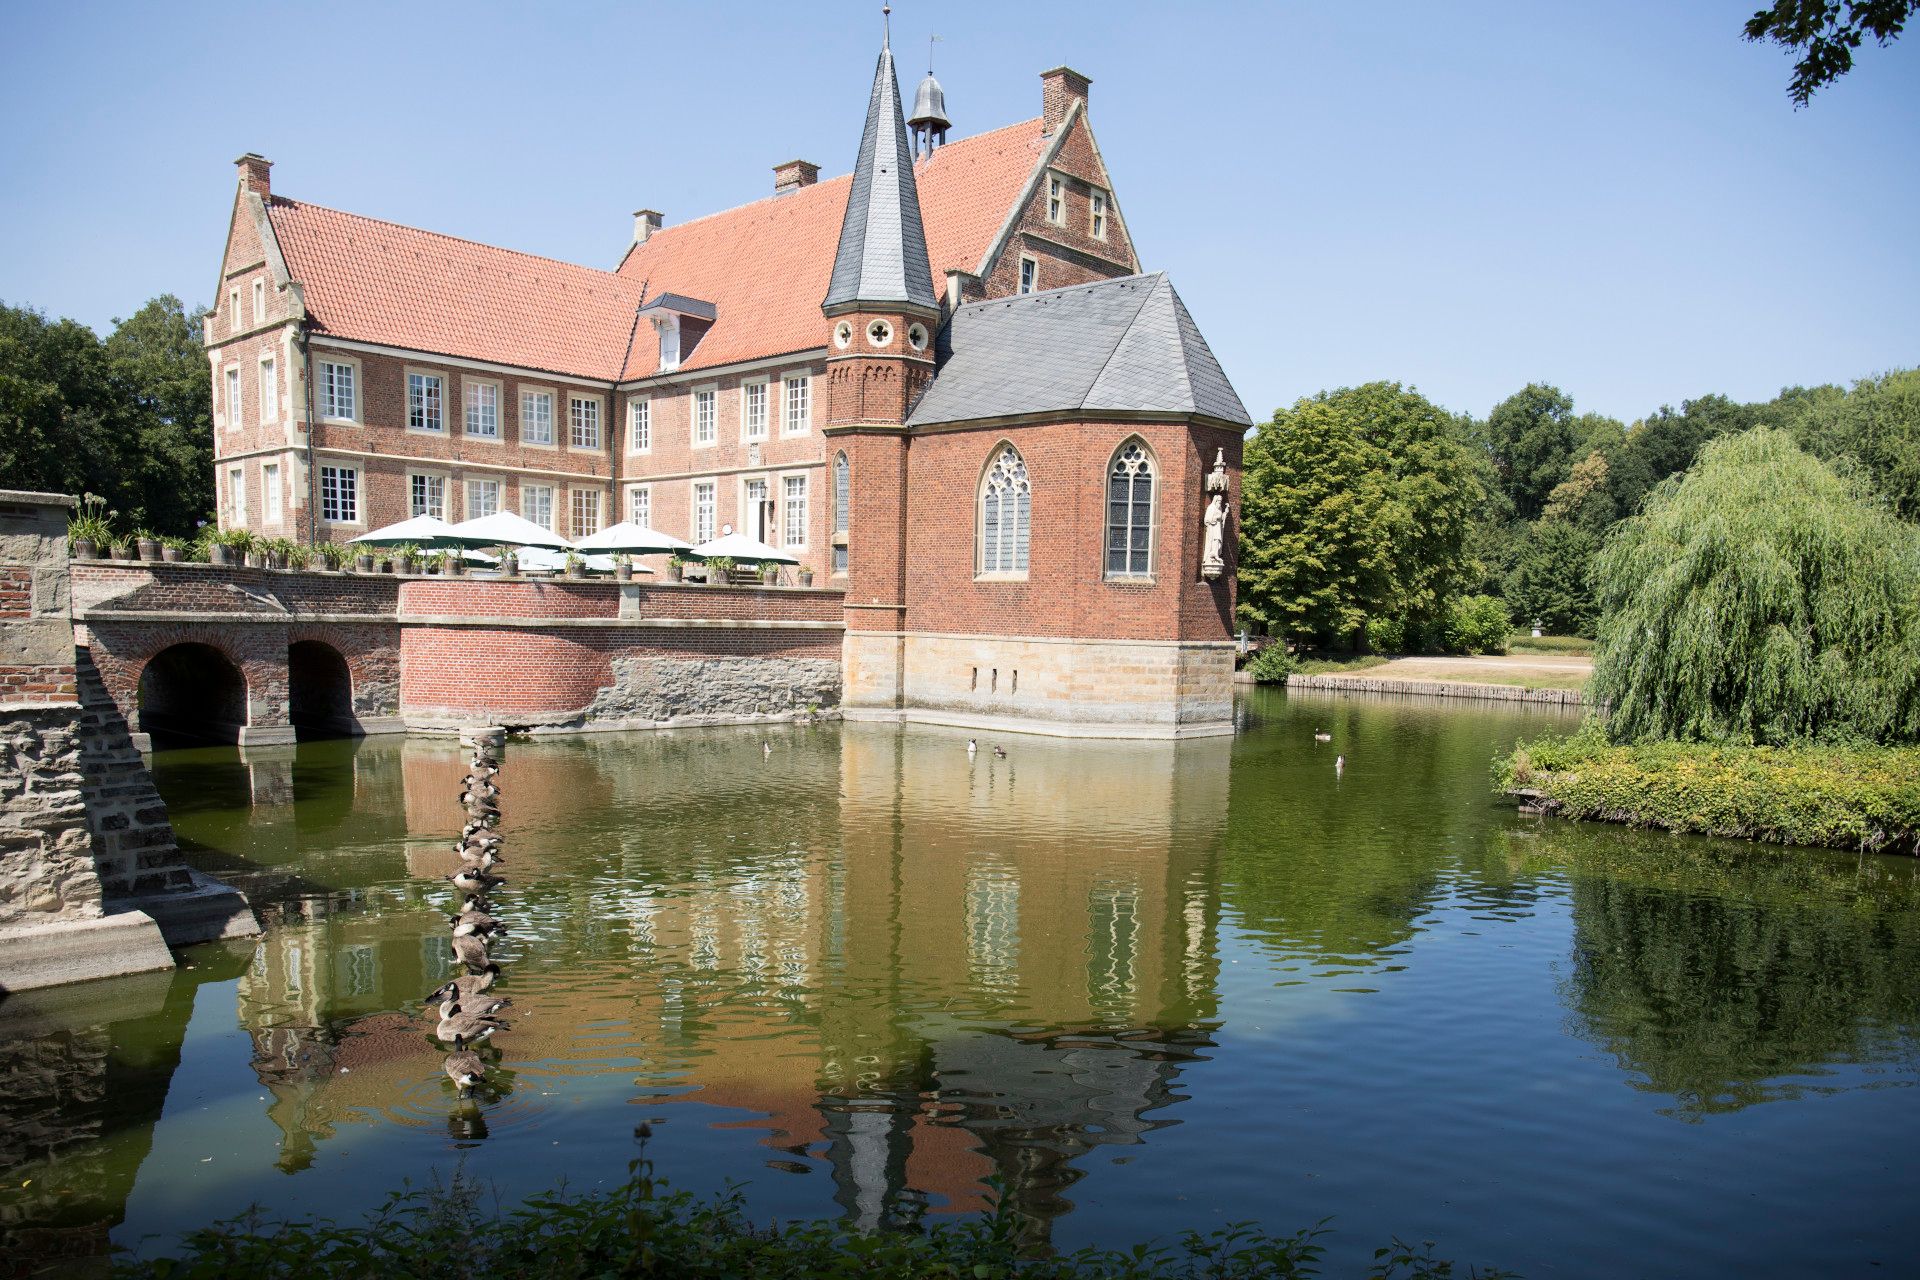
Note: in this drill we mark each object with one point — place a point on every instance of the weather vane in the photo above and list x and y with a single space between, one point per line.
931 41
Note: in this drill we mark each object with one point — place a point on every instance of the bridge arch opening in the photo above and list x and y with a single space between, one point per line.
191 695
319 691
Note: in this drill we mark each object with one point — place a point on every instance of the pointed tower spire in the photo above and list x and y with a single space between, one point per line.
883 246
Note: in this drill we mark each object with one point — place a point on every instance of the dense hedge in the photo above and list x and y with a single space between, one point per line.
642 1229
1845 797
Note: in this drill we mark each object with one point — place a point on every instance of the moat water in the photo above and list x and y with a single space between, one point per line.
1146 987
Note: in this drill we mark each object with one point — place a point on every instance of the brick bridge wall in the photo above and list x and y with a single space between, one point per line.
430 652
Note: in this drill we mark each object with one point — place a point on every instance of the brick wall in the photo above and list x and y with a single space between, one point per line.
1066 252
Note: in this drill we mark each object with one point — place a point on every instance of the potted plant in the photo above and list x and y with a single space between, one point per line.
297 556
403 557
363 562
623 568
806 575
174 550
576 567
719 570
675 565
275 551
432 560
332 556
147 543
229 546
770 574
453 562
91 529
509 563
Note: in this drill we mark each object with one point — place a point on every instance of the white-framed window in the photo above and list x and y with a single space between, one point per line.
842 509
584 508
483 498
233 397
234 323
259 301
668 330
1056 200
237 494
793 511
639 425
1130 512
799 416
1006 513
427 495
536 420
703 511
583 422
269 389
640 505
340 494
536 504
270 492
753 409
483 410
1029 273
339 391
426 408
705 412
1097 215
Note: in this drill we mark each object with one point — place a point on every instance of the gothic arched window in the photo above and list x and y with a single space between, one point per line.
1130 512
1006 513
842 501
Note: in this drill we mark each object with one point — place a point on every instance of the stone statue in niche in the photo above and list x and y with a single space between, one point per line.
1213 560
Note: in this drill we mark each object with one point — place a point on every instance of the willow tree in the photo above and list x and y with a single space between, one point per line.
1760 598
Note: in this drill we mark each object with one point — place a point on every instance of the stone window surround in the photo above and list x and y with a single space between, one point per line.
272 495
789 382
1098 215
551 490
1146 576
742 513
467 386
521 417
766 408
980 572
237 494
359 518
693 509
1029 280
599 422
407 374
467 484
638 407
575 492
269 386
806 510
259 301
647 490
320 388
429 473
1056 210
693 416
231 379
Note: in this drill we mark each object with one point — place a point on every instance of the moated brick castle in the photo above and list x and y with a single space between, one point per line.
942 382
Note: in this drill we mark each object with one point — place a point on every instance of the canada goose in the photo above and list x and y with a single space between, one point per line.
474 881
467 986
1000 752
472 952
481 861
465 1070
486 927
478 1006
1321 735
460 1028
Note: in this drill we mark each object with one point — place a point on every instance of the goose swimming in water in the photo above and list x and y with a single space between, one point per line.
474 881
972 746
1339 765
1000 752
467 986
1321 735
460 1028
465 1070
766 749
478 1006
485 927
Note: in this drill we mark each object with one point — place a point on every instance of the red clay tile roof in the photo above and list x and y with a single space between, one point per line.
765 265
380 282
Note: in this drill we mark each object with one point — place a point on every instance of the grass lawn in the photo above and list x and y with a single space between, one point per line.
1488 673
1339 664
1521 642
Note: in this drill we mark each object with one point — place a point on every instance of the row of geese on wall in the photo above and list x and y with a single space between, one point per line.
469 1011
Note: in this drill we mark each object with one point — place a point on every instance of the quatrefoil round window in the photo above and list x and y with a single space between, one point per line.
843 335
879 333
917 336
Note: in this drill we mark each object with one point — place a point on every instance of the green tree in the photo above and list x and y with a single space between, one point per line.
1760 598
1825 33
1357 504
1877 424
1533 437
128 419
1550 581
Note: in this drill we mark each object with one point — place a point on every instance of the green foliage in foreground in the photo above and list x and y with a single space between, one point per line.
1865 798
1272 665
641 1229
1760 598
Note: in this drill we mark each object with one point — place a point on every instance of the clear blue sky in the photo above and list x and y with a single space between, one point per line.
1614 197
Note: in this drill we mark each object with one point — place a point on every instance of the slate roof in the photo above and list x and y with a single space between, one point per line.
883 248
1123 346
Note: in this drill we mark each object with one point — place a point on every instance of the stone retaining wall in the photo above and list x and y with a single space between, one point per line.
1439 689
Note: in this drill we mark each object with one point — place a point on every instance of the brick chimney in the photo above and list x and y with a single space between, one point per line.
254 171
645 223
793 175
1058 88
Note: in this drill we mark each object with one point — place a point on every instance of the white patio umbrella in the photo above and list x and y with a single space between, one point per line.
741 549
505 529
421 531
539 558
628 538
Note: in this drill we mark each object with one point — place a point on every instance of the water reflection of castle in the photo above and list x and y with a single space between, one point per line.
922 969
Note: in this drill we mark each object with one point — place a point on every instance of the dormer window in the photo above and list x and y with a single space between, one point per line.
668 328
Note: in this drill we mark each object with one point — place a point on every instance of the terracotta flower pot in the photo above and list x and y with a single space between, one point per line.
170 554
363 563
149 549
84 549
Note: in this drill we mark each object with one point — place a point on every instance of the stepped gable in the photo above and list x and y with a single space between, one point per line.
1124 346
766 265
381 282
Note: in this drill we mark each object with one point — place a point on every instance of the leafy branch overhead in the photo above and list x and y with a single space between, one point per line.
1825 33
